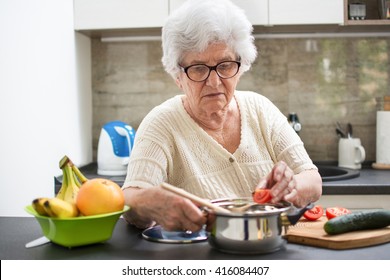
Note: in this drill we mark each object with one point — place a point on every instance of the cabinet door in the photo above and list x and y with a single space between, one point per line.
284 12
256 10
118 14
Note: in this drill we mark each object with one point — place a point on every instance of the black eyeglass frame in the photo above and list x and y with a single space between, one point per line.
185 69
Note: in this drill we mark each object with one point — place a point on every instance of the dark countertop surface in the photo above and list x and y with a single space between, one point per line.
369 182
127 243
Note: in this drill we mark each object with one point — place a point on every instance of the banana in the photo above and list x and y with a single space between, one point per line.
76 180
48 210
70 182
64 161
38 205
78 174
61 192
72 189
60 209
64 203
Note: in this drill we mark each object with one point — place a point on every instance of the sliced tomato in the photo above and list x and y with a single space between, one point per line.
315 213
262 195
333 212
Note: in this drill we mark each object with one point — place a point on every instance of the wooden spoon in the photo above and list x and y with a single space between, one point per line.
193 197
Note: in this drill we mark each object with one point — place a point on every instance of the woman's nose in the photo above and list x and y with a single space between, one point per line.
213 79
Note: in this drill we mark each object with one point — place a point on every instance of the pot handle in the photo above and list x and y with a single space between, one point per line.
294 217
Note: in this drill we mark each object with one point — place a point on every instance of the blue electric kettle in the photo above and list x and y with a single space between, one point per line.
115 144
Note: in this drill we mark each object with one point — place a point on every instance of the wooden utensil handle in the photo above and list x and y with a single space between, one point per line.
194 198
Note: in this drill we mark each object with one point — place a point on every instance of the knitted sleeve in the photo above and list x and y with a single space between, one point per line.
149 160
147 165
284 144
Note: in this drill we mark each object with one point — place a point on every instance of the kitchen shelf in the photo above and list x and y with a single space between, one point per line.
372 15
368 22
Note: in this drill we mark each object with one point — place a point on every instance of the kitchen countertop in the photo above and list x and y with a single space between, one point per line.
369 182
127 243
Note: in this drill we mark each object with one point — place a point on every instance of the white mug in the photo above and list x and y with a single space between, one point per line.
351 153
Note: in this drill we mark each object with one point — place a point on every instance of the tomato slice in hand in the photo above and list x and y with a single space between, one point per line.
333 212
262 196
314 214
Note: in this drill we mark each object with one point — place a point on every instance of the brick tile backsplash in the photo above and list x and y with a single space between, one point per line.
323 80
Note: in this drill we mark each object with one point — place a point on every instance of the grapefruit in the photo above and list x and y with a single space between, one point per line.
99 196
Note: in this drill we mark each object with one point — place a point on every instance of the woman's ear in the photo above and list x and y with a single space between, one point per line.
178 82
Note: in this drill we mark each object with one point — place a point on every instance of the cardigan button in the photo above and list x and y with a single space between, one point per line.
231 159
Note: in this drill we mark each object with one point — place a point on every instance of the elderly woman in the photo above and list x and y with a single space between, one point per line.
212 141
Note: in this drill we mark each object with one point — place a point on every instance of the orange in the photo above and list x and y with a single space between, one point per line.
99 196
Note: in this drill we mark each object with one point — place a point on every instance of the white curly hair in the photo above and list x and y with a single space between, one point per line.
197 23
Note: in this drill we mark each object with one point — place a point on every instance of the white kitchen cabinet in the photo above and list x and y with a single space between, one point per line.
119 14
112 15
256 10
287 12
127 14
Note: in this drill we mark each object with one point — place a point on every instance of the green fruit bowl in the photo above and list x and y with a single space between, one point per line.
78 231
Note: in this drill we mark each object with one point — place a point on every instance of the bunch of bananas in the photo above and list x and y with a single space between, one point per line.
64 204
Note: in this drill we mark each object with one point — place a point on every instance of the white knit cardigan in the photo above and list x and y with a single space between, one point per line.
171 147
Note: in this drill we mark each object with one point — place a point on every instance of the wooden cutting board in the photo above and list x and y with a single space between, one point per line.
377 165
312 233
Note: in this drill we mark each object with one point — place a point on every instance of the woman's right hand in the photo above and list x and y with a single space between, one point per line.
299 189
172 212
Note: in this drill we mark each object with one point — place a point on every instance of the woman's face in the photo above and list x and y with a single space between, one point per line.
214 94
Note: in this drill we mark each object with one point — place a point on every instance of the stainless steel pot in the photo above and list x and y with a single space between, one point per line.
255 231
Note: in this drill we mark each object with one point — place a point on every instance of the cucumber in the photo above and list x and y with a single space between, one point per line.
361 220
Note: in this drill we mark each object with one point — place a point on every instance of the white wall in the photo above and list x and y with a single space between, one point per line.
45 98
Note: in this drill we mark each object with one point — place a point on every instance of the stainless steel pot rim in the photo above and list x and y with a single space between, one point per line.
266 209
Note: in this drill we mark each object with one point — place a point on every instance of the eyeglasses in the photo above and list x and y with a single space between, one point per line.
200 72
